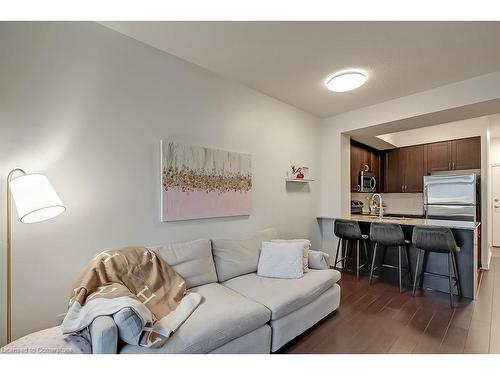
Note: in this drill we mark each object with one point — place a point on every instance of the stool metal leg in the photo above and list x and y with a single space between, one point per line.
337 254
408 262
345 245
416 277
373 263
357 260
346 254
366 253
457 275
399 270
450 279
424 267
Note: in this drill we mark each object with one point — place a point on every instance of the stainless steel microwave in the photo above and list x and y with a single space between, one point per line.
367 182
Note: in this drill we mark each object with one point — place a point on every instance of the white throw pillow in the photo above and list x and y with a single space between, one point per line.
281 260
307 247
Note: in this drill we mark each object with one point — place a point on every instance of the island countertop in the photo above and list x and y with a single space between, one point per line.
453 224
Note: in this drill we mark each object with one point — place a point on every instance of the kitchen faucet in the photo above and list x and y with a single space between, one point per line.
380 208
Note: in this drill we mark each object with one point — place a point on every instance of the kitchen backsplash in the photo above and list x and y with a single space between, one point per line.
396 203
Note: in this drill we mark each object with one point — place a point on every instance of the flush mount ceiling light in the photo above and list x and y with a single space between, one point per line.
346 81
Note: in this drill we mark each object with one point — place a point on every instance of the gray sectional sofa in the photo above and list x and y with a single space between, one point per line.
240 312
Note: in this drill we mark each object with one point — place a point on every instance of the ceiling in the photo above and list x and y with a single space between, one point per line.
291 60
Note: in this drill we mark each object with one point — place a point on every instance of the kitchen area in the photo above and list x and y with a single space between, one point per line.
436 185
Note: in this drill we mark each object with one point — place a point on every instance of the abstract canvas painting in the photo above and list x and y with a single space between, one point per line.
200 182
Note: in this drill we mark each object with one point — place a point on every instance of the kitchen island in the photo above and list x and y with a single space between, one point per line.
466 235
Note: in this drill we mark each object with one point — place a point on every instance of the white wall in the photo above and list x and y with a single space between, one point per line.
494 139
495 151
87 107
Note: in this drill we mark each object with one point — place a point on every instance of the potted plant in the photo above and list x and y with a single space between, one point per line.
297 172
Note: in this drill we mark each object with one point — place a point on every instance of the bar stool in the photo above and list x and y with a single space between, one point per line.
437 240
386 234
348 230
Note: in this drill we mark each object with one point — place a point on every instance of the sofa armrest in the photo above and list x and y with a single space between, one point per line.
104 335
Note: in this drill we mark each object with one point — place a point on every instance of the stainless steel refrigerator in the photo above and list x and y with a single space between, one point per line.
452 197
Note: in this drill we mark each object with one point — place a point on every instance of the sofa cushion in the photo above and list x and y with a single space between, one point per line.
49 341
192 260
239 256
283 296
222 316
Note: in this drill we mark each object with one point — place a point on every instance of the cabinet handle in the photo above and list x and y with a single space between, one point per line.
402 188
449 165
453 165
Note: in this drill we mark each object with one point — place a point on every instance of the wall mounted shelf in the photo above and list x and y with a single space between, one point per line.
301 180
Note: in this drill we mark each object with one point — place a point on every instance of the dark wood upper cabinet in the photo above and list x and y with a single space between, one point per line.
402 169
405 169
413 168
393 176
375 166
454 155
439 156
466 153
358 159
363 157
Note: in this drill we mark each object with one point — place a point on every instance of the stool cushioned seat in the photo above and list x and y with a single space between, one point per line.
435 239
387 234
347 229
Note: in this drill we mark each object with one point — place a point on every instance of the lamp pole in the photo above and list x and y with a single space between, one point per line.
9 252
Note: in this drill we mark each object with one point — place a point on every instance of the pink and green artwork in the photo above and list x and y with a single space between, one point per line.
200 182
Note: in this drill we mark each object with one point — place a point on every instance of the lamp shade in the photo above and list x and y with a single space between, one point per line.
35 198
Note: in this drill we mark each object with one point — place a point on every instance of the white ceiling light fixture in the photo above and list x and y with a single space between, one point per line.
346 81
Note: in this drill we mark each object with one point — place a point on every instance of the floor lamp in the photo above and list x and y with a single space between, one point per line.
35 200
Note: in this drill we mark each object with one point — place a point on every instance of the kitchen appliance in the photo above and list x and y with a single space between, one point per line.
367 182
452 197
356 207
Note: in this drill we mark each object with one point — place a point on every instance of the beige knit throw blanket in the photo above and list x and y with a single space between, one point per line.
133 277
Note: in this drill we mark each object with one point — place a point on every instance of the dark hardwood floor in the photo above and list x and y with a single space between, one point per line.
378 319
